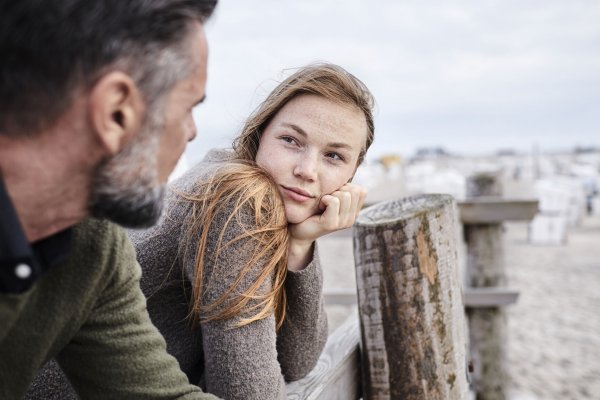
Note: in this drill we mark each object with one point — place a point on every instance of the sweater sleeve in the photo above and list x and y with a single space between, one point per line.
304 331
117 353
240 361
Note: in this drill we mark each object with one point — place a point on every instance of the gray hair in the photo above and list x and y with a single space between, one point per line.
51 48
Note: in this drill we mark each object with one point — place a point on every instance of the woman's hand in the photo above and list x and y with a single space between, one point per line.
340 210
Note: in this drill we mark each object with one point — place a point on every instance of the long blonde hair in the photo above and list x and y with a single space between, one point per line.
248 187
240 188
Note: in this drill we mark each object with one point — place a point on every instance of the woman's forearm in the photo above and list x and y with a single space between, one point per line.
304 331
300 254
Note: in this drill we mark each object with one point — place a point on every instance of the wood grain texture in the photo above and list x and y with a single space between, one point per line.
410 303
337 373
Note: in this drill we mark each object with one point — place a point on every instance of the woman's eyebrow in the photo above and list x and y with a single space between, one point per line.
339 145
302 132
296 128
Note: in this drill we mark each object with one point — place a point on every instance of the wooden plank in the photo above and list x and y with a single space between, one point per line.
473 297
337 373
342 233
485 210
339 297
489 297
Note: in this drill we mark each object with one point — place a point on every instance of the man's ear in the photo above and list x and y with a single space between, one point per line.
116 110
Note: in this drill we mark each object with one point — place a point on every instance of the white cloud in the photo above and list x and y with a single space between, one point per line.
512 72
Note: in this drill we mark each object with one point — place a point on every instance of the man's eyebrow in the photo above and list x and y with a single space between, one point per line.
199 101
337 145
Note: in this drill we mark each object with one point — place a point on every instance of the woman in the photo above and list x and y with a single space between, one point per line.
241 228
231 272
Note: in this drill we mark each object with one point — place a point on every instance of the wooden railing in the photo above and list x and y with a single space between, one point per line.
479 212
483 215
411 307
337 373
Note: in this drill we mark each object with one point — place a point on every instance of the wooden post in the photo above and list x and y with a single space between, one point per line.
485 268
411 311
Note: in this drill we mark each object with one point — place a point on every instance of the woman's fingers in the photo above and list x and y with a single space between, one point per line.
331 214
358 198
345 208
340 210
351 198
358 194
361 202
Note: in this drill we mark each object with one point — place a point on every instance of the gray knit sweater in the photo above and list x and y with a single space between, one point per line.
248 362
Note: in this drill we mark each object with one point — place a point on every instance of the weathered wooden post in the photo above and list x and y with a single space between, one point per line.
485 268
410 304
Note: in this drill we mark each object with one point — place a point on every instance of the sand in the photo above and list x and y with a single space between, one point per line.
554 329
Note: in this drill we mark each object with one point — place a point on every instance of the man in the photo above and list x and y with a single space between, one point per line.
95 110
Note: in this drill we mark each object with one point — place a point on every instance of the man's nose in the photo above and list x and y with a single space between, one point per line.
192 129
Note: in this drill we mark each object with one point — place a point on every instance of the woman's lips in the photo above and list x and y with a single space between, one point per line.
296 194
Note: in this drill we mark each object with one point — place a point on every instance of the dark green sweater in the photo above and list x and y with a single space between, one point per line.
90 314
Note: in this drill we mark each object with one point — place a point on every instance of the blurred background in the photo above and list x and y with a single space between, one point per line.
507 87
471 77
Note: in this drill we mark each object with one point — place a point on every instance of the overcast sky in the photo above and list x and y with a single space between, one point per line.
470 76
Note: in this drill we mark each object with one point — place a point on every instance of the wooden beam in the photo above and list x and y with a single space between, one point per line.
490 297
339 297
486 210
472 297
342 233
337 373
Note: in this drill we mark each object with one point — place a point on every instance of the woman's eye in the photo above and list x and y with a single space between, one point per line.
288 139
335 156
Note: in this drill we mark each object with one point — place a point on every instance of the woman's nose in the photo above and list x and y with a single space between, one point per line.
306 167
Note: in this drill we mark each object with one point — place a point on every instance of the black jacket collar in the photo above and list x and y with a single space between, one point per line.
22 263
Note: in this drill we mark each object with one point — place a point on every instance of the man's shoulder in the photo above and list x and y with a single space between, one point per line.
98 232
101 243
97 226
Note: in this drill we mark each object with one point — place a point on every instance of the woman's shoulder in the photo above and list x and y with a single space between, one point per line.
202 170
176 209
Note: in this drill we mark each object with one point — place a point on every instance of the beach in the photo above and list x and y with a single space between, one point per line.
554 342
553 347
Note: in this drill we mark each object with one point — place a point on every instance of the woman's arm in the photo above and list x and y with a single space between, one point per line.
304 331
240 362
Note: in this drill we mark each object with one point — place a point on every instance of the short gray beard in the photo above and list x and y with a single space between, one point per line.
126 189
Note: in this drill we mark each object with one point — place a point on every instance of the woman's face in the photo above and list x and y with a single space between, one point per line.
311 148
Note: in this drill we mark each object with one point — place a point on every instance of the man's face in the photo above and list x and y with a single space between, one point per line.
129 187
179 127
